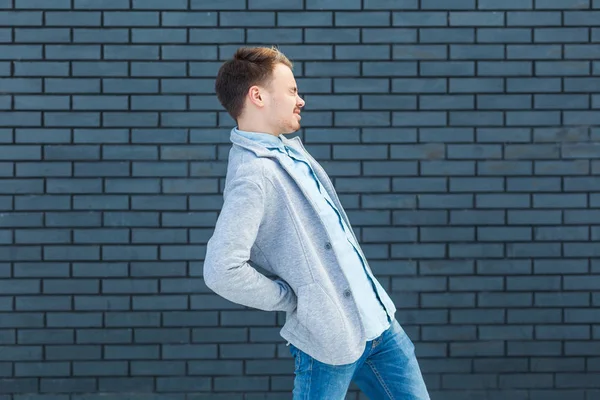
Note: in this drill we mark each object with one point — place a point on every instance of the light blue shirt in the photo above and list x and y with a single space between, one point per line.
372 312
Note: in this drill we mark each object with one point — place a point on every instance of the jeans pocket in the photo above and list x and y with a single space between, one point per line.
301 359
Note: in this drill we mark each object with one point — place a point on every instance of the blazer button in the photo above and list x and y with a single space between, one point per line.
328 246
347 293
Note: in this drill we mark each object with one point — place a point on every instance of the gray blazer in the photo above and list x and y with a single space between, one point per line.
268 219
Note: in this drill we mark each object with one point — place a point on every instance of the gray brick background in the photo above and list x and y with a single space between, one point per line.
462 135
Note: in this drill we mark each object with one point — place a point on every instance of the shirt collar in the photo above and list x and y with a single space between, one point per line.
265 139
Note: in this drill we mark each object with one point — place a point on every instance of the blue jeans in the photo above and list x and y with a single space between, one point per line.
388 369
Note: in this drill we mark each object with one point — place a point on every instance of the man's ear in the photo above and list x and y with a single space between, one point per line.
254 93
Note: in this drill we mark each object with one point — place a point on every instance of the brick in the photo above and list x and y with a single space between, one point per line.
363 118
426 184
190 351
453 300
504 35
51 35
89 269
420 217
445 102
383 35
159 5
523 332
476 217
21 85
475 85
579 348
71 152
447 201
99 368
39 369
475 118
446 35
562 364
22 320
581 51
333 5
447 68
21 18
189 384
533 18
45 336
419 19
393 68
358 85
449 333
391 4
331 68
131 18
447 168
418 52
110 35
132 319
578 183
562 4
67 385
419 251
501 234
554 266
357 52
533 52
21 253
33 236
561 233
41 68
476 184
195 152
419 284
21 186
213 5
504 68
18 385
103 303
503 102
476 18
46 269
419 85
581 250
73 52
560 35
250 19
73 18
304 18
285 35
581 84
135 52
378 135
423 118
476 349
511 365
580 150
71 253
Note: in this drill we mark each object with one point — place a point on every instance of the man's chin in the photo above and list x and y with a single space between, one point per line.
291 129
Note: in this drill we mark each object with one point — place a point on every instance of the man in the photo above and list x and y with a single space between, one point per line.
281 212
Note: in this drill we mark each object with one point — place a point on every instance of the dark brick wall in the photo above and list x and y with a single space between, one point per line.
462 135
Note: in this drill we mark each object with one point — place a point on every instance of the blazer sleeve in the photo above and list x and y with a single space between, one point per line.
226 269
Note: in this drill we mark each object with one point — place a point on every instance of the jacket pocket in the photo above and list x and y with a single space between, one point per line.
321 318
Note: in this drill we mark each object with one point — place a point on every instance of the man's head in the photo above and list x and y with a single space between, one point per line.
258 89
